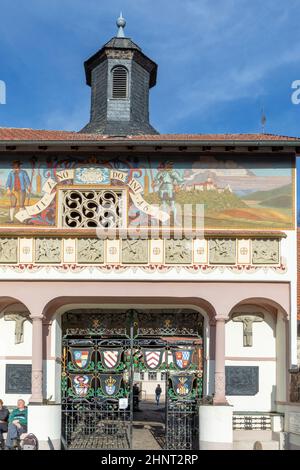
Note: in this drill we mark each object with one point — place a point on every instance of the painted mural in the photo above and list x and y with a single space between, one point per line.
236 192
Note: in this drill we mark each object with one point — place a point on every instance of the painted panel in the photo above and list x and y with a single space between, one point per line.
238 192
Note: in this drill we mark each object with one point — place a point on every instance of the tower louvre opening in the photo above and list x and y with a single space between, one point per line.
119 83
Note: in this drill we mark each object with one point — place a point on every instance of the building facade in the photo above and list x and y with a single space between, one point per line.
175 251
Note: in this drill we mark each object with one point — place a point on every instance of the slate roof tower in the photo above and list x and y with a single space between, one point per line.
120 77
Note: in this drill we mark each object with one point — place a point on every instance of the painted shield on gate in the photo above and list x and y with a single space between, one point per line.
182 384
81 357
110 384
81 384
110 358
182 358
153 358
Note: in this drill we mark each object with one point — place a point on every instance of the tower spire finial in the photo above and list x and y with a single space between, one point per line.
121 23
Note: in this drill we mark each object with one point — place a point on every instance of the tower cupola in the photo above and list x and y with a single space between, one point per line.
120 76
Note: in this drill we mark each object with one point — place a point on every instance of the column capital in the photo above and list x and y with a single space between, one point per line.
36 316
220 318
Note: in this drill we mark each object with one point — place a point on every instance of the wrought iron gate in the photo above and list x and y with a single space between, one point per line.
99 360
96 375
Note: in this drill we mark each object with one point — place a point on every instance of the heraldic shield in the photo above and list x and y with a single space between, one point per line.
81 357
153 358
182 384
182 358
81 384
110 384
110 358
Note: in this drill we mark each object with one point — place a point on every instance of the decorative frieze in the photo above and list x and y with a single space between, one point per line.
178 251
243 252
90 250
135 251
238 255
156 251
113 251
265 251
8 250
200 251
26 250
222 251
69 253
48 250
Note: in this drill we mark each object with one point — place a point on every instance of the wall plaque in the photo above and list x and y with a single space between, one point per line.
241 380
18 378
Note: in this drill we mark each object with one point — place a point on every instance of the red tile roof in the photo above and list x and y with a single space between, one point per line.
18 134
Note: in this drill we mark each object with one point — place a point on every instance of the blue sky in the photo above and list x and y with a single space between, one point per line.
219 61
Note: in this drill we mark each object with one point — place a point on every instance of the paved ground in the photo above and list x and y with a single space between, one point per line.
149 426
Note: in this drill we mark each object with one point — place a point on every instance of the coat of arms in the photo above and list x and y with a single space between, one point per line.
110 384
81 385
182 384
153 358
182 358
110 358
81 357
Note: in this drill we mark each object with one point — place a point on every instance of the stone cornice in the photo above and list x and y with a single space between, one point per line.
33 232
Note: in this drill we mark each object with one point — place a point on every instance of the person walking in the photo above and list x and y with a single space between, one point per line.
158 391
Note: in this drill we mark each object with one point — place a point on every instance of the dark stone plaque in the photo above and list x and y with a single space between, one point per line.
241 380
18 378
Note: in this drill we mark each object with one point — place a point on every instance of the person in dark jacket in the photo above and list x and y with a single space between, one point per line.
17 424
158 391
4 414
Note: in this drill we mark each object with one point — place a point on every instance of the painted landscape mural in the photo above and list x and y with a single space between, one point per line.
237 192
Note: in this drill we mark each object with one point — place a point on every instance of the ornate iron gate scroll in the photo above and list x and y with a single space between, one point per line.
98 363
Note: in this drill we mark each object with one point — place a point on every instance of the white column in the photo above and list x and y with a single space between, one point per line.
219 397
37 359
293 326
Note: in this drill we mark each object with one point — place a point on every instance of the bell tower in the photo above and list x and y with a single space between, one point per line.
120 76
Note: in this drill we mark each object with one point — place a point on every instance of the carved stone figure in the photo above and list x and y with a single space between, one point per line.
222 251
265 251
135 251
178 251
90 250
8 250
19 320
48 250
247 320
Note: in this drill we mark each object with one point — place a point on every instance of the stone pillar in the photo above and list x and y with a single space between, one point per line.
37 359
219 397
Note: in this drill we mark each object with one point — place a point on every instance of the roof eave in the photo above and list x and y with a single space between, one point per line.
158 142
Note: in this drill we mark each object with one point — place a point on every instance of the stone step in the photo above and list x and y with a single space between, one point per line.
252 435
249 445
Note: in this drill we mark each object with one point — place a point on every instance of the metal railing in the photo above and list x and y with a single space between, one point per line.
252 421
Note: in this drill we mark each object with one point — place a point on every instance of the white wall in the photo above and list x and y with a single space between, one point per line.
261 354
11 353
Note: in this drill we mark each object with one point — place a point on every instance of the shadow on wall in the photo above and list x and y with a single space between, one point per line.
50 444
